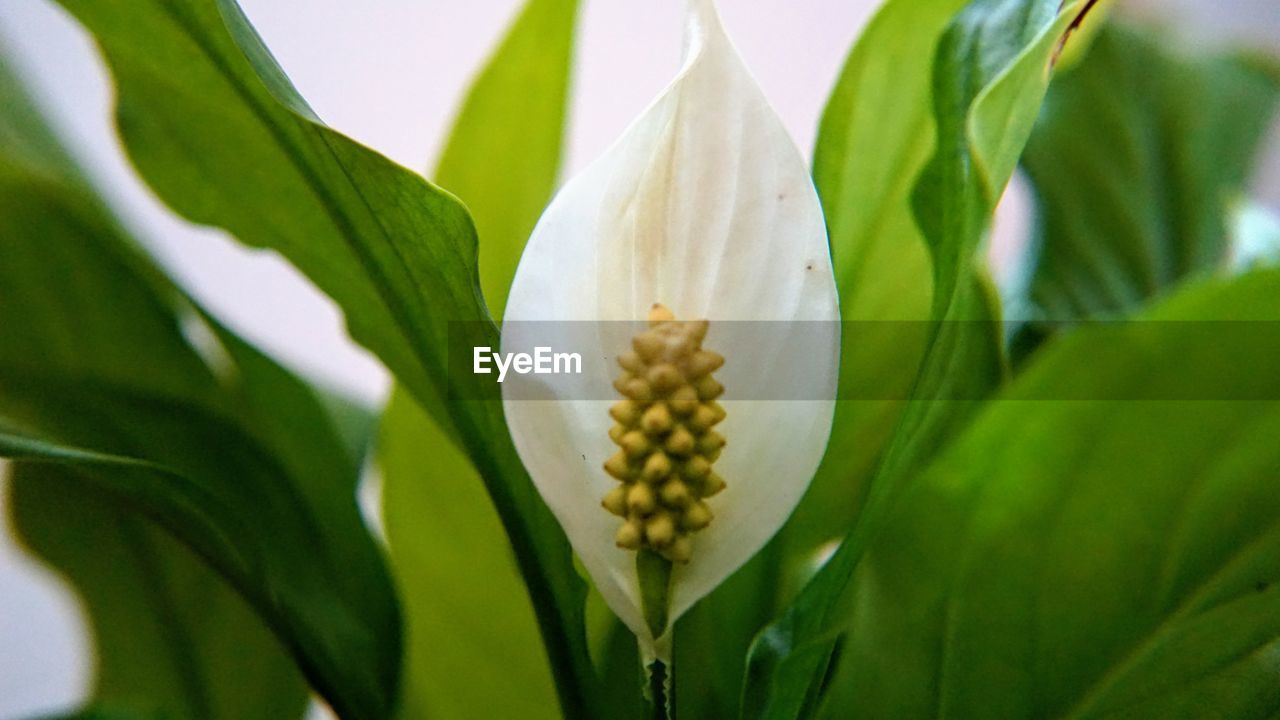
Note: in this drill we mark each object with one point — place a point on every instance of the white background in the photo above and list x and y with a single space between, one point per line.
389 73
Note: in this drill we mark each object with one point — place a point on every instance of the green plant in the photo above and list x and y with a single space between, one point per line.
1091 530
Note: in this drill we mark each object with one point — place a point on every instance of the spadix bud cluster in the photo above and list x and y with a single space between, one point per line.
663 429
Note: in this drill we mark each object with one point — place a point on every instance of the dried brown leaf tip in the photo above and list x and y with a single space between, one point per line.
665 437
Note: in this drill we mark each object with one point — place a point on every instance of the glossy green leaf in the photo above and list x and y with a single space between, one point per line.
316 590
621 674
876 135
215 127
1095 557
712 640
170 637
468 636
1136 160
471 628
197 507
52 222
514 111
990 73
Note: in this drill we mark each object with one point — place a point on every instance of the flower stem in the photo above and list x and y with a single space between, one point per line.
654 572
661 691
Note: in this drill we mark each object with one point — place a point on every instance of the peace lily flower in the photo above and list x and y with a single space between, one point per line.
702 213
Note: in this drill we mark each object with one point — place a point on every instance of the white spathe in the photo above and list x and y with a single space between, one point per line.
706 206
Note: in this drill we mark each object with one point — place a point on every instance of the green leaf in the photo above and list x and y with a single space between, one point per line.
293 546
1135 162
514 111
213 125
471 626
990 74
169 635
216 129
1095 546
53 222
621 673
466 636
210 491
712 640
876 135
259 535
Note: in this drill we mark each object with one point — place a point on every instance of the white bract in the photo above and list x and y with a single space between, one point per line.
705 206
